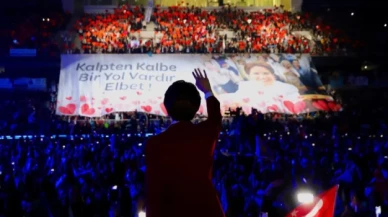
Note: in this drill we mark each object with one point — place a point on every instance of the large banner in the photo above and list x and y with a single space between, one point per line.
95 85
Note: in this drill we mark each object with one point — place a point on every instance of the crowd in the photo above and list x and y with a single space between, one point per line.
184 29
68 166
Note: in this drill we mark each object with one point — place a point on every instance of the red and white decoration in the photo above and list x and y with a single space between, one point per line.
322 206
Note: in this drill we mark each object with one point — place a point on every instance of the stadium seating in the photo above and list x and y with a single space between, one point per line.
182 29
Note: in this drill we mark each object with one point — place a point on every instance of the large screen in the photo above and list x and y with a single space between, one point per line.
95 85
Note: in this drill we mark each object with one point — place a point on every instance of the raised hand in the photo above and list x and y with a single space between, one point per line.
201 81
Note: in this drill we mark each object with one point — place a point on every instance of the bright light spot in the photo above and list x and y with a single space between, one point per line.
63 146
305 197
365 67
114 187
385 25
140 144
52 170
352 14
142 214
313 144
378 210
48 19
349 149
381 136
43 19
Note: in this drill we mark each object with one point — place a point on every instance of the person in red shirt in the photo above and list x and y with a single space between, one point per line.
179 161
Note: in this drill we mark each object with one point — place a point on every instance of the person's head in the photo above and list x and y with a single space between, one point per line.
262 58
211 66
260 72
182 101
296 64
286 64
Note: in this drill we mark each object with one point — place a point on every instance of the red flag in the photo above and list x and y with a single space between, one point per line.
323 206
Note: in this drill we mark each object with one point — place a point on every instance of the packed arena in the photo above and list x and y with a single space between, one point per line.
185 29
96 166
191 108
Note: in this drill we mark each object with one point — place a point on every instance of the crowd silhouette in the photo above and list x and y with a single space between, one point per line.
73 166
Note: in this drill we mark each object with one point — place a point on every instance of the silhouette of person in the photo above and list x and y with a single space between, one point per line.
179 160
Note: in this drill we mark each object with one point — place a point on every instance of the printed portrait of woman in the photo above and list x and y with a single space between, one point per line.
262 82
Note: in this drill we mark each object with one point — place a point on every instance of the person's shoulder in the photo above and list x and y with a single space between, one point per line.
153 139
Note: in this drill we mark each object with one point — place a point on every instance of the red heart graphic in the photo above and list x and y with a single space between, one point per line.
163 108
104 101
136 102
69 109
280 96
147 108
83 98
273 108
109 110
138 93
69 98
295 108
85 109
90 111
246 100
123 98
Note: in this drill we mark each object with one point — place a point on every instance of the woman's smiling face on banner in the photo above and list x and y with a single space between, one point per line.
262 75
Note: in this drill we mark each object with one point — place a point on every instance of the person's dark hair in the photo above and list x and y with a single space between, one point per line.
182 101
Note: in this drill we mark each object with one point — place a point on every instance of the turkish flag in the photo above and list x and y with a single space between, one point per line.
323 205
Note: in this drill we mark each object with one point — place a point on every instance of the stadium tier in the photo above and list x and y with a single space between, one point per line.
182 29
